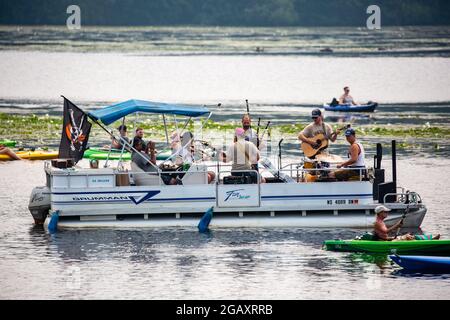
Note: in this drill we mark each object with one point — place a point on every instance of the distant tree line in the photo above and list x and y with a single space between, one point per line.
226 12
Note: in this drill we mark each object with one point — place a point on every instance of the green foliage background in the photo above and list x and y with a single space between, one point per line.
226 12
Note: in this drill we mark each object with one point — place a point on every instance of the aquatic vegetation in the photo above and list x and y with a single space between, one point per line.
45 130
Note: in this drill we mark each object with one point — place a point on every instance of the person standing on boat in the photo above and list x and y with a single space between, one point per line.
346 98
357 159
249 133
244 154
317 127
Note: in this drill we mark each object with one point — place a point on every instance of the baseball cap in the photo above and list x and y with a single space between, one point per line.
379 209
349 132
239 132
316 113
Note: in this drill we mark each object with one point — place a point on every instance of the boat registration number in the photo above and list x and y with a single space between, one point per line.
342 201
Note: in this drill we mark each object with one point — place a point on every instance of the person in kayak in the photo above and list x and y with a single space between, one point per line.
346 98
9 152
357 159
317 127
381 231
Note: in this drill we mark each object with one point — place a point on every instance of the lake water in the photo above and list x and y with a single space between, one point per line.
405 69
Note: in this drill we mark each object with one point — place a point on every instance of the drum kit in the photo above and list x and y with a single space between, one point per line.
315 166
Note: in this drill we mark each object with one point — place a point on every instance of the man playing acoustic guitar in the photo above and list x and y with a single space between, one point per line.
316 132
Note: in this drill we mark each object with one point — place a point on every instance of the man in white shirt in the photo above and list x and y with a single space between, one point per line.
243 154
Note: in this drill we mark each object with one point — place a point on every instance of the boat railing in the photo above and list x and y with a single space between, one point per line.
404 197
293 172
300 171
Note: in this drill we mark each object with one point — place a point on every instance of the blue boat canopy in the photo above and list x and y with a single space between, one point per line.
112 113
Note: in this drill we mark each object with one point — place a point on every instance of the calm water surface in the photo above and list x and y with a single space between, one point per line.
406 69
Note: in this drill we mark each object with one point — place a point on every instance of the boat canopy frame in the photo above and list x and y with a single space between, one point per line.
110 114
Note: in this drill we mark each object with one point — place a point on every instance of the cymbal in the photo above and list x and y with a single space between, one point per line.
330 158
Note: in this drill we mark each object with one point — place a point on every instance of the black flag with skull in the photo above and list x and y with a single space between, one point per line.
75 132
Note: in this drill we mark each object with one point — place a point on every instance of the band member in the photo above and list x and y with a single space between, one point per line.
317 127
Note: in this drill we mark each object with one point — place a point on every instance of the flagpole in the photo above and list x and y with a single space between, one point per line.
112 135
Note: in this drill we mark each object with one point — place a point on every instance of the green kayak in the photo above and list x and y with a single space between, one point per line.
8 143
102 154
415 247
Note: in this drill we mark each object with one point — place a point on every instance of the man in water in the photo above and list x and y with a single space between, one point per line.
356 154
317 127
346 98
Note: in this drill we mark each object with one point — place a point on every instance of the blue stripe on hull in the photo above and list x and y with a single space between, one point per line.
205 199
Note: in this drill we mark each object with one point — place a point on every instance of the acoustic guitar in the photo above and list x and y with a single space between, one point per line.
321 143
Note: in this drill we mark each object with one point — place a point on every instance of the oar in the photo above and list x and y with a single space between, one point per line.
206 219
403 218
248 109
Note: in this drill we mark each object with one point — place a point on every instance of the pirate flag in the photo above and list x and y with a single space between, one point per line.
75 132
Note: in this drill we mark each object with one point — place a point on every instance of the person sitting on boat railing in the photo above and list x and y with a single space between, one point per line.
123 134
244 154
317 127
9 152
381 231
356 161
346 98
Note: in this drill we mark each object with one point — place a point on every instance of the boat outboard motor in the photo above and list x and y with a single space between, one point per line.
39 204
